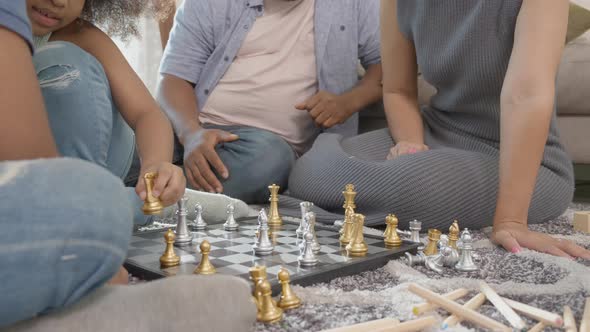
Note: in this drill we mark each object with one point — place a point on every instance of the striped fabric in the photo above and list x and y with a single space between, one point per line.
463 48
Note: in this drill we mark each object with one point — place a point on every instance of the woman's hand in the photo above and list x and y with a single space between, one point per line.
403 148
169 186
514 235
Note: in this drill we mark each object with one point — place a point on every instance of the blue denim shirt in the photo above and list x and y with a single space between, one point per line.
207 36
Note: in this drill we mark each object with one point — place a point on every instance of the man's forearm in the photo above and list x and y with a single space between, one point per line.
178 100
368 91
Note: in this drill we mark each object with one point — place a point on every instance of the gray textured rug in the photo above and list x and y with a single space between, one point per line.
538 279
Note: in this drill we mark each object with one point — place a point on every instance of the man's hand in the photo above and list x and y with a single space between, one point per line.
200 155
327 109
403 148
169 185
513 235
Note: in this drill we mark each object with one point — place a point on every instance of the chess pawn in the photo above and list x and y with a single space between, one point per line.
199 224
274 218
307 257
288 299
183 236
449 254
262 246
152 204
466 263
169 258
435 262
305 208
349 206
315 244
205 266
392 239
419 259
230 223
454 234
433 237
269 312
357 246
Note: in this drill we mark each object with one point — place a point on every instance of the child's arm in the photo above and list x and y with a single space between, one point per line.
152 130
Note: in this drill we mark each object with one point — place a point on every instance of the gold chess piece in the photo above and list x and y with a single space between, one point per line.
357 246
169 258
433 238
288 299
205 266
269 312
152 204
454 234
392 238
349 206
257 275
274 218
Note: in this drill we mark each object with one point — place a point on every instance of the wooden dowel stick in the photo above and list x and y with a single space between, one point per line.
546 317
585 324
569 322
472 304
410 326
512 317
425 307
367 326
538 328
455 308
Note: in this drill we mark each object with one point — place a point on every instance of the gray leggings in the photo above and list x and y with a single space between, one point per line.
434 187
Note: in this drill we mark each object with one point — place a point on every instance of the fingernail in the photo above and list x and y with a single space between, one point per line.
219 190
225 175
156 193
515 250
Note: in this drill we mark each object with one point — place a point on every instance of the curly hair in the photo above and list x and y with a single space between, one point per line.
120 17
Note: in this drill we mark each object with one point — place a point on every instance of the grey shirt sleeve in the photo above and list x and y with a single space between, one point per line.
13 16
369 32
191 41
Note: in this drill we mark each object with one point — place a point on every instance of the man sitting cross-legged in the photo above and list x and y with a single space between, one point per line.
248 85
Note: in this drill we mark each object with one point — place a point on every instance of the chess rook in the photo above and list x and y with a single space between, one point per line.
413 235
392 239
169 258
357 246
466 263
152 205
305 208
183 236
257 274
230 224
433 237
349 206
199 224
262 245
420 258
274 218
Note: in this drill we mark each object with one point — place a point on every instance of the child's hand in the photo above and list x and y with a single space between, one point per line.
403 148
169 186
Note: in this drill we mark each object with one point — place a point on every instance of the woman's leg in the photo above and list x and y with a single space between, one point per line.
67 225
83 118
433 187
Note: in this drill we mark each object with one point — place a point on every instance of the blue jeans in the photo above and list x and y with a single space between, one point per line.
255 161
83 118
65 232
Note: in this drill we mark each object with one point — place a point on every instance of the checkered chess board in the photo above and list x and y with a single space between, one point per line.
232 254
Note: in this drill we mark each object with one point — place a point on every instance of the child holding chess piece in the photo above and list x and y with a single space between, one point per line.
67 224
98 108
485 149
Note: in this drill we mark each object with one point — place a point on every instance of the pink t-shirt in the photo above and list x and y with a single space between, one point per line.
274 70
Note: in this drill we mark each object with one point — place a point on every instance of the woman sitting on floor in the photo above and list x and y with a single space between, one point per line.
486 150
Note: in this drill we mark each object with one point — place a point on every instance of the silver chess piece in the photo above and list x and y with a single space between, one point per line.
307 257
465 245
305 208
183 236
413 235
315 244
262 245
418 259
199 224
450 254
230 222
435 262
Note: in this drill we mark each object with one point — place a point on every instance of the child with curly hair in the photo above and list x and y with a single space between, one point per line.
95 101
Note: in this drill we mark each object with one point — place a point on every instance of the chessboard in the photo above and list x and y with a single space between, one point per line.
232 254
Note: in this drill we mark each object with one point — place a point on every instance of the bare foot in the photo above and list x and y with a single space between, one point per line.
121 278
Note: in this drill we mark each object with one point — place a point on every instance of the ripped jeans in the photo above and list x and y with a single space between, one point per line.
65 232
83 118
